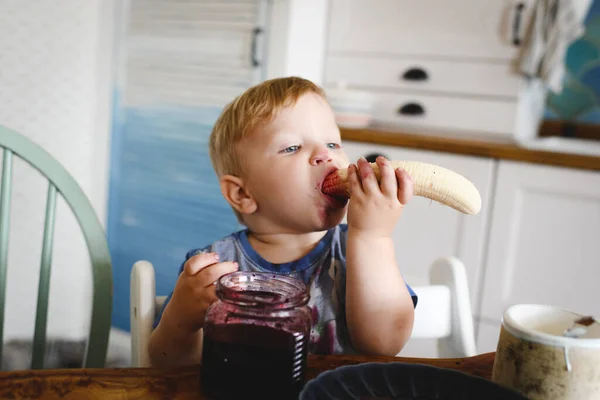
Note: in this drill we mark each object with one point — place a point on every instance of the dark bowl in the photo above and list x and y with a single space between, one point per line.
397 380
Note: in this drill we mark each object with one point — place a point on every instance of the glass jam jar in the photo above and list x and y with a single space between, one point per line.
256 337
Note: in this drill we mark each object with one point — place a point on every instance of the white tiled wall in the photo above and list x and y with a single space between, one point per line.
55 87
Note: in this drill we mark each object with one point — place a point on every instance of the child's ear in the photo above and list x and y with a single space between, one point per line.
236 195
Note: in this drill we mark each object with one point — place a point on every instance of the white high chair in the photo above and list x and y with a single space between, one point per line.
443 311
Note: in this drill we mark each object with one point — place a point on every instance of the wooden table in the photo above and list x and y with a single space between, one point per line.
177 383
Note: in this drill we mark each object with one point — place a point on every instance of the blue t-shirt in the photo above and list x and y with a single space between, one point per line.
323 270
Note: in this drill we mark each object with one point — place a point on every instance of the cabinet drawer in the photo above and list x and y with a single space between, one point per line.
413 73
428 230
467 117
465 28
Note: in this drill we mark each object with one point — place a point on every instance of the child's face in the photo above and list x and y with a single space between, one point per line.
286 161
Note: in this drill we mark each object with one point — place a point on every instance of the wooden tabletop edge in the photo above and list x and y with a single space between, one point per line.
471 147
314 362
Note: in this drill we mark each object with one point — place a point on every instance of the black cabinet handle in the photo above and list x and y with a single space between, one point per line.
412 109
415 74
257 31
517 24
373 156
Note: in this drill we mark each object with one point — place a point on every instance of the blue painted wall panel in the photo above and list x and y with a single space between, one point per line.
165 197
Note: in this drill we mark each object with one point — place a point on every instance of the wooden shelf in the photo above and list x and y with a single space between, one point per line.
472 147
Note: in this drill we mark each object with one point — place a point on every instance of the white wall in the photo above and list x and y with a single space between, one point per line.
55 88
297 33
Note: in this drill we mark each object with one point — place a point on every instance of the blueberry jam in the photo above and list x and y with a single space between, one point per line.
266 362
256 338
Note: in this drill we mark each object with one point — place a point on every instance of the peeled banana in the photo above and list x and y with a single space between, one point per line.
431 181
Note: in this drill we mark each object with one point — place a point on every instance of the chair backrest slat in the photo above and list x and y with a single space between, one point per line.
5 195
102 285
41 316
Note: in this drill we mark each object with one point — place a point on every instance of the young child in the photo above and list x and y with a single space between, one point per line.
272 148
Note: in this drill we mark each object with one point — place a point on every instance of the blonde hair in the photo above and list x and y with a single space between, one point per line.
240 118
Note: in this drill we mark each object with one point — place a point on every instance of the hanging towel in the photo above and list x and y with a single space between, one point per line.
553 26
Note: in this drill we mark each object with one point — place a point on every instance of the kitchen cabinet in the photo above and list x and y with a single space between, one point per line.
536 239
544 242
437 66
461 28
428 230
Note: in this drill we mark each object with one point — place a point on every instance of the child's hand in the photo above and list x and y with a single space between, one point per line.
195 290
374 209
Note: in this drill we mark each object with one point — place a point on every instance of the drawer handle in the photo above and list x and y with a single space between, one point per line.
253 59
412 109
517 24
415 74
373 156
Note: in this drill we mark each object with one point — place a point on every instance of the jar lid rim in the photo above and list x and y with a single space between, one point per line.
260 289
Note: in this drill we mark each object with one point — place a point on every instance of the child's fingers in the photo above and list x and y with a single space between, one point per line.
367 176
210 294
405 186
198 262
209 275
354 180
388 182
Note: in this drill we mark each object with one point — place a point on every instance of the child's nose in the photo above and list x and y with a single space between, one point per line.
322 156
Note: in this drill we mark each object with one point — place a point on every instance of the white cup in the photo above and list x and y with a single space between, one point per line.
546 352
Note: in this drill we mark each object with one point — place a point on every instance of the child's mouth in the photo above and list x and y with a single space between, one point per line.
335 198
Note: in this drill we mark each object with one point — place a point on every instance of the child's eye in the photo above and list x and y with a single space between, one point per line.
333 146
291 149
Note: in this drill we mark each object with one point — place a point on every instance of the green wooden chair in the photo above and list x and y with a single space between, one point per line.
59 182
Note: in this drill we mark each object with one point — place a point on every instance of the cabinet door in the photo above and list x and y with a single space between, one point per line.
428 230
179 64
544 244
468 28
